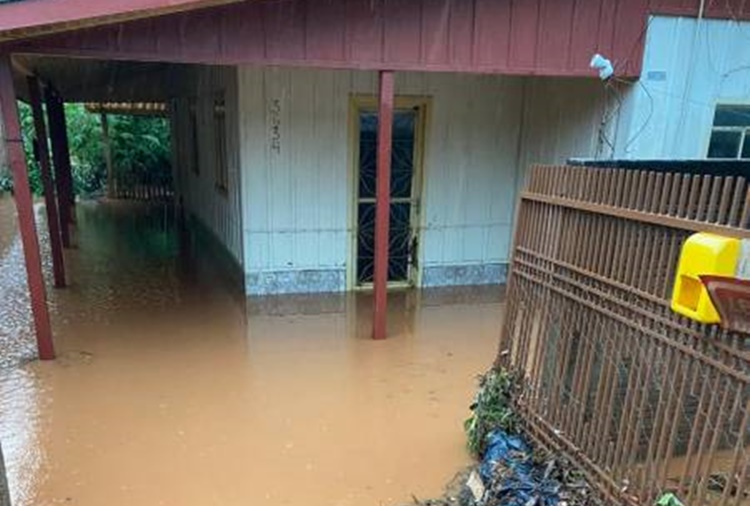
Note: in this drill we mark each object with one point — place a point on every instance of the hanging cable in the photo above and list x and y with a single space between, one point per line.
642 128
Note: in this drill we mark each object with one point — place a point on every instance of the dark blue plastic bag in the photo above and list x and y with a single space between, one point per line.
518 481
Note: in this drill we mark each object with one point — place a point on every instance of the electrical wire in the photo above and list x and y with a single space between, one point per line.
604 123
618 67
640 39
642 128
601 134
685 98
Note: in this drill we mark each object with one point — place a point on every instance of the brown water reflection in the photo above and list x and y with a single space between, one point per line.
170 390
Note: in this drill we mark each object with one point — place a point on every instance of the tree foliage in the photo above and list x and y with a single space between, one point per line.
27 125
140 149
86 151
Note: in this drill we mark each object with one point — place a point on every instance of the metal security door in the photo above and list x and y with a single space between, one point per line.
402 250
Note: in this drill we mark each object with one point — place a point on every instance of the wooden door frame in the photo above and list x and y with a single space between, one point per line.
358 102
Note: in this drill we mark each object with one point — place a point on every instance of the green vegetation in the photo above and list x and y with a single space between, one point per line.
492 409
140 145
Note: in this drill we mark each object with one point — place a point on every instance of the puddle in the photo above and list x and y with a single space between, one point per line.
171 390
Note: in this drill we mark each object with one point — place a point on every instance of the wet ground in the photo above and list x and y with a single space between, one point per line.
171 390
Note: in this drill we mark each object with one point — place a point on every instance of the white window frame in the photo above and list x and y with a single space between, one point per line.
743 130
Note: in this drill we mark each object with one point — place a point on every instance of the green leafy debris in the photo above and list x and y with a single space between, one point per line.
669 499
492 408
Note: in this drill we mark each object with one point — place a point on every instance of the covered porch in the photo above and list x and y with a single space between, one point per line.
276 166
146 59
174 389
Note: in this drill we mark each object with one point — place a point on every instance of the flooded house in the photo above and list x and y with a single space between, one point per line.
372 149
275 111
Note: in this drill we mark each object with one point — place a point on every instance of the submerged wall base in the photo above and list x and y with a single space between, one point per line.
300 281
334 280
461 275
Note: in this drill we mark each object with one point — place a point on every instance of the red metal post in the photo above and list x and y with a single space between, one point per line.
56 121
107 148
50 201
67 171
383 205
24 205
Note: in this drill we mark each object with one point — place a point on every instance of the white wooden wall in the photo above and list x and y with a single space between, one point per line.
689 66
294 131
470 173
289 208
218 212
562 119
297 169
291 156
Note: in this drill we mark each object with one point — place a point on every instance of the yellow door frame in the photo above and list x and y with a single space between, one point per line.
357 103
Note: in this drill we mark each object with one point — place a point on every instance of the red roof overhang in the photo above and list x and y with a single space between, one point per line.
29 18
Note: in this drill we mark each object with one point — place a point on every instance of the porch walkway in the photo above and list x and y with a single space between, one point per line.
169 390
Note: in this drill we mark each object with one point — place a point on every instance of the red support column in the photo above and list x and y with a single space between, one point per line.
68 172
67 197
24 205
383 205
107 148
50 201
56 121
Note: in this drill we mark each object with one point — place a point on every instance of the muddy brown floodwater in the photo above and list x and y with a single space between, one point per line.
170 389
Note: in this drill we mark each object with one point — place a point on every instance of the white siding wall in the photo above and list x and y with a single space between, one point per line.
562 119
689 66
293 140
294 156
297 173
219 212
470 173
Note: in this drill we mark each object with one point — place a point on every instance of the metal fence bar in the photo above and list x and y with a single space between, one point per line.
140 187
643 399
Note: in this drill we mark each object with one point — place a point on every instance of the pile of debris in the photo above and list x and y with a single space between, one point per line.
512 472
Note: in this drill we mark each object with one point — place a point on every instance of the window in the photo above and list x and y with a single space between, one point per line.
220 142
193 126
730 131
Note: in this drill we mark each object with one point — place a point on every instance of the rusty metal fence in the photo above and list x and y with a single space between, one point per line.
141 186
646 401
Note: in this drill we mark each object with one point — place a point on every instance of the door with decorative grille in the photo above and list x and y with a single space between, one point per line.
404 213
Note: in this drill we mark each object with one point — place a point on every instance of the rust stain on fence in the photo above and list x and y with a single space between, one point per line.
647 401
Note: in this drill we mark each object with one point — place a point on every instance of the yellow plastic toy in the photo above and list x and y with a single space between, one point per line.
703 254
